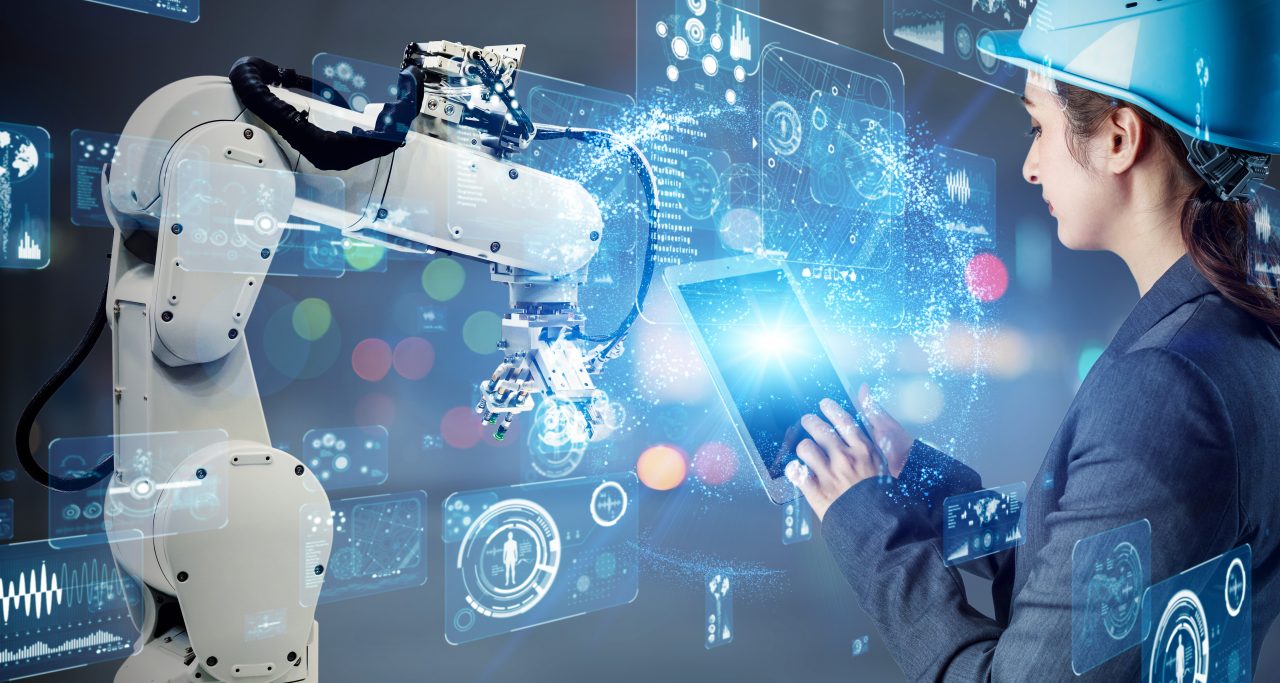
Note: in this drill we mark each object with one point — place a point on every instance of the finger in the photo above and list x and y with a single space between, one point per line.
823 434
814 458
802 478
878 420
846 426
853 436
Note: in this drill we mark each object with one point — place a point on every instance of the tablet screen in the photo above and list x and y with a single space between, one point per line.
770 361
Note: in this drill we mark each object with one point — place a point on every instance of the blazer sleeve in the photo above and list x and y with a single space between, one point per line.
927 479
1152 441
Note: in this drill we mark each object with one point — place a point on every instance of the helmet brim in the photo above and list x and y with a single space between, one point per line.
1006 47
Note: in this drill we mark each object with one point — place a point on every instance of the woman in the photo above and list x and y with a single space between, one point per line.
1178 423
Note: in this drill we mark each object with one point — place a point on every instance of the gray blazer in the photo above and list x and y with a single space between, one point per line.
1178 422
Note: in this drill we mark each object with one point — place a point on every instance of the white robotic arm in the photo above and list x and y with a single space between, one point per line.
449 188
207 174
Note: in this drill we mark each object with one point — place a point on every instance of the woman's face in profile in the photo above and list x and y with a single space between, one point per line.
1077 197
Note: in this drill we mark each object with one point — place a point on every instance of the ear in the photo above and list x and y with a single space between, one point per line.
1126 137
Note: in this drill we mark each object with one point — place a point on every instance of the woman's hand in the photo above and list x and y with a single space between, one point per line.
838 455
893 440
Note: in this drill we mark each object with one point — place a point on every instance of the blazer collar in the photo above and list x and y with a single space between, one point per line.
1180 284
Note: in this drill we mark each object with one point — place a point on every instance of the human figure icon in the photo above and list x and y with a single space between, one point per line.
1181 671
510 556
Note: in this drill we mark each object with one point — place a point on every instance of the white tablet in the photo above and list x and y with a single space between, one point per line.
769 365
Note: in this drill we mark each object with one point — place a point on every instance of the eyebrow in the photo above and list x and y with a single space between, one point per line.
1027 102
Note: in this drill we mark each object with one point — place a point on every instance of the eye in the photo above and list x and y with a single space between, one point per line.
1034 132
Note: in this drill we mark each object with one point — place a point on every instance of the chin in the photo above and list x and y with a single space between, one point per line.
1076 239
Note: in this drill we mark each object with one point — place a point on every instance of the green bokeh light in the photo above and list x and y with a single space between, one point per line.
362 256
311 318
443 279
482 331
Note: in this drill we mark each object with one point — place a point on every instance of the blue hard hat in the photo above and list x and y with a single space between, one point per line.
1209 68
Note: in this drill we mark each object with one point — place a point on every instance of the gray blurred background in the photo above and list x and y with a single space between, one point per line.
71 64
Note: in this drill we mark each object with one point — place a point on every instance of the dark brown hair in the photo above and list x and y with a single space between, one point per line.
1215 232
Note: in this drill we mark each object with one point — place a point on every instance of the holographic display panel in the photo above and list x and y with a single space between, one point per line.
233 216
90 151
614 273
741 165
719 610
946 33
379 545
693 60
345 457
797 520
1198 625
983 522
526 555
1110 571
148 468
353 83
25 159
65 607
830 138
967 194
179 10
1264 241
860 646
6 519
558 441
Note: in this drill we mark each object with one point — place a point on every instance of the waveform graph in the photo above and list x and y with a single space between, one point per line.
65 607
1264 241
959 189
965 196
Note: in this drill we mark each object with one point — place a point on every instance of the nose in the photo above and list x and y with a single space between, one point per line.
1031 165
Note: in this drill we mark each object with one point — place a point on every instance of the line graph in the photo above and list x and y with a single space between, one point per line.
63 607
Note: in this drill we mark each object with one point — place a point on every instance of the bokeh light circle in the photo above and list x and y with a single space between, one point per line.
443 279
311 318
662 467
413 358
289 355
1088 356
362 256
987 277
918 400
481 332
371 359
715 463
461 427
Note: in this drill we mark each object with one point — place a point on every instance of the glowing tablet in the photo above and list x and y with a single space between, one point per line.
769 365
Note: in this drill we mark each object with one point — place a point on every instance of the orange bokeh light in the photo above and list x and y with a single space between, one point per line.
662 468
